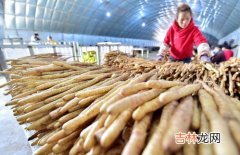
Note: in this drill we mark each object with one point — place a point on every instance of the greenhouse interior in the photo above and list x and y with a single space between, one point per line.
120 77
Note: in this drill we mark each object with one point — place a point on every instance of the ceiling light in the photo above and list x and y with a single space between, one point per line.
143 24
108 14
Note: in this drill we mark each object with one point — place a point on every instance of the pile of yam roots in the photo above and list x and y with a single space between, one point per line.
226 74
128 106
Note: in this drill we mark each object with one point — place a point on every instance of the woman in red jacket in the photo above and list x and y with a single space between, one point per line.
182 35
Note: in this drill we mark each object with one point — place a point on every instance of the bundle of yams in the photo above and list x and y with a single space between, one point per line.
78 108
226 74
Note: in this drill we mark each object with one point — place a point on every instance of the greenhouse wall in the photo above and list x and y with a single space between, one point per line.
81 38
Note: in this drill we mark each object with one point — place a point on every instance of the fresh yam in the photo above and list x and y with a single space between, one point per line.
68 97
57 125
86 131
72 90
75 149
143 77
154 77
63 75
78 87
38 134
62 148
196 119
146 108
235 128
138 136
133 89
68 138
42 95
175 94
133 101
42 121
97 91
20 109
72 109
48 85
69 105
86 101
5 84
97 150
180 122
36 117
52 125
227 144
90 140
161 128
56 136
89 76
204 149
26 93
236 102
162 84
207 103
124 76
66 82
60 104
55 113
69 116
110 120
190 149
218 124
39 70
85 115
35 142
221 100
98 134
234 109
45 149
13 102
44 108
113 96
67 66
33 107
44 139
111 133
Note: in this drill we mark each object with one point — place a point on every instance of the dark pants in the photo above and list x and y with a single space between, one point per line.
186 60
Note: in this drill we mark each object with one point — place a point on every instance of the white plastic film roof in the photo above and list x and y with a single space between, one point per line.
143 19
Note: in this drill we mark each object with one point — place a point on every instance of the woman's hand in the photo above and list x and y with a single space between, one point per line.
159 57
205 58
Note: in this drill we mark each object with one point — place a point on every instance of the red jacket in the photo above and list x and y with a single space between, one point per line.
181 41
228 54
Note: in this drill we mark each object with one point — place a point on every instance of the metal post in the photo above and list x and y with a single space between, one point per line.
31 51
3 63
73 51
110 48
78 51
54 50
147 53
99 55
81 53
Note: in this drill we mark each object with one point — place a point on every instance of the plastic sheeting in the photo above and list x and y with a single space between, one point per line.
143 19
